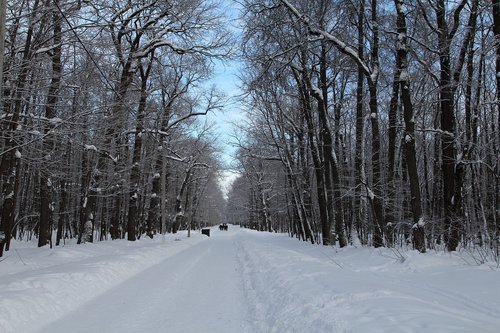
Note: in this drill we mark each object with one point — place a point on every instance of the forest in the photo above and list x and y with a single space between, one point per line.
372 122
367 122
100 137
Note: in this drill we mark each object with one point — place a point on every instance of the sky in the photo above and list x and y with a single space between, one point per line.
226 78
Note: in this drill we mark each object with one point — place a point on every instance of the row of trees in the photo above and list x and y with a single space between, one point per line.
99 135
372 120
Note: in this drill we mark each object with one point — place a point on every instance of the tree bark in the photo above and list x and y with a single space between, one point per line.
358 154
135 176
377 200
46 204
452 170
302 79
331 171
496 32
8 165
393 134
409 139
63 214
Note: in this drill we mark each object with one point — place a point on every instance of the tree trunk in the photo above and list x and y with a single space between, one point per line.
163 185
496 32
409 139
377 201
451 170
9 161
358 154
318 163
63 214
393 134
331 171
135 176
375 195
154 203
179 207
46 204
86 205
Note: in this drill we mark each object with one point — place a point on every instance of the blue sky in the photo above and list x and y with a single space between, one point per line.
226 79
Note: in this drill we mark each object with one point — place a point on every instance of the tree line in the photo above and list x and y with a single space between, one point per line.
100 130
373 122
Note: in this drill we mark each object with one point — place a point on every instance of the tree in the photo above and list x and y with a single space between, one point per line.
12 108
409 135
83 114
46 204
452 168
371 73
302 59
496 32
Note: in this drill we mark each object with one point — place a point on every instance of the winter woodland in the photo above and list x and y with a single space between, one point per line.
367 122
372 121
370 132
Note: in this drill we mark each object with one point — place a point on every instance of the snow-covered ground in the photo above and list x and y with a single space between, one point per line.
242 281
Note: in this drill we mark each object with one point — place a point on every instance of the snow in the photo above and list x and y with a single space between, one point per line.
374 74
91 147
242 281
55 121
404 75
420 223
46 49
316 91
370 193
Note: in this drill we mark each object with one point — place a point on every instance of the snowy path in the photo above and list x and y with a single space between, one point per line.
243 281
197 290
297 287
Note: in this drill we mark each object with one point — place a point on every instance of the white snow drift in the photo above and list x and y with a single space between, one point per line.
242 281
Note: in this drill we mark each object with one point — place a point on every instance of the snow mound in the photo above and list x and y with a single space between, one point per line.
42 285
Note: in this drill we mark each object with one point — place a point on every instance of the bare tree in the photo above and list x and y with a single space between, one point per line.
409 135
452 168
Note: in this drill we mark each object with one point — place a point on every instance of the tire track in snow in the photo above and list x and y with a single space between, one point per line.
277 303
291 287
192 291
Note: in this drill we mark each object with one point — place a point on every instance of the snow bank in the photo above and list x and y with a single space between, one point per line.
282 285
38 286
298 287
